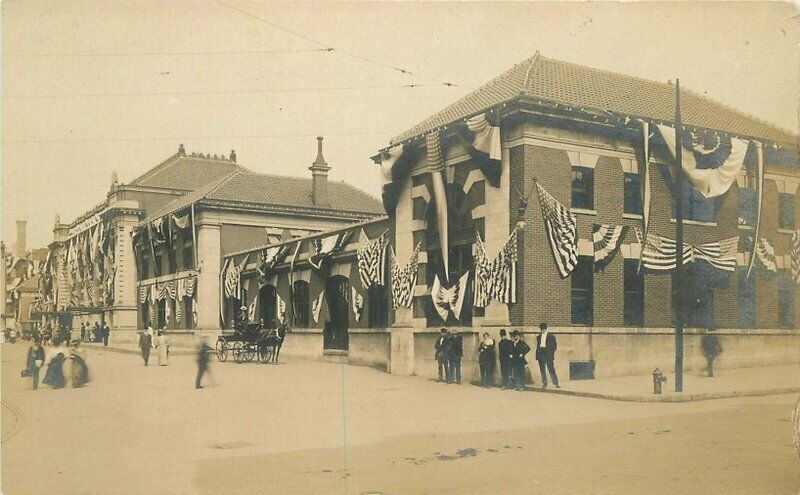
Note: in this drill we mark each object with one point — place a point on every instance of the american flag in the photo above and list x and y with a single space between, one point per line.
658 253
233 277
372 260
483 273
606 239
721 254
562 231
795 255
404 279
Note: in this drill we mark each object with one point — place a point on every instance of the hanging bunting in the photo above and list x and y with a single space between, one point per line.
485 148
194 312
167 313
372 261
223 283
251 309
436 167
280 304
645 181
180 293
562 231
759 201
316 306
191 286
765 253
711 167
450 299
658 253
795 256
268 259
183 222
358 303
391 188
325 247
606 240
404 279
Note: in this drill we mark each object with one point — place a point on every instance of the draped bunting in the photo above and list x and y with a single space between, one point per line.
495 279
233 282
562 231
606 239
390 188
191 286
158 234
436 166
268 259
358 303
325 247
316 306
251 309
795 256
450 299
372 261
182 221
281 306
658 253
645 178
765 253
759 200
180 293
486 148
712 169
404 279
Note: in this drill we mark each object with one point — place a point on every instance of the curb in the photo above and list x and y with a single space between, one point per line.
671 398
120 350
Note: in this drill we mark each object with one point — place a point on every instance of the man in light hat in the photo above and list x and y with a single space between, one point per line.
546 353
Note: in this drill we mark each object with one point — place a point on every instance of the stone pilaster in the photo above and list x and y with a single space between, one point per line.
209 253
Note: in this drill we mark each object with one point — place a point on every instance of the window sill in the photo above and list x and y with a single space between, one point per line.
632 216
786 231
746 227
584 211
696 222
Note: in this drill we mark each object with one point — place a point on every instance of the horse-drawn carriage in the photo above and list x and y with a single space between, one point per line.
248 342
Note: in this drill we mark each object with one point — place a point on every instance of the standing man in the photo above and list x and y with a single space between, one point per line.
441 359
456 353
34 362
97 332
202 362
546 353
146 343
105 331
83 332
486 360
518 352
711 349
505 350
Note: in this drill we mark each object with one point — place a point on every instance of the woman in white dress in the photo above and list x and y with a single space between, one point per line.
162 344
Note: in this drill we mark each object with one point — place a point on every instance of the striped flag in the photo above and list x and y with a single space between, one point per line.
606 240
562 231
233 277
436 165
495 279
404 279
658 253
372 260
765 253
795 256
721 254
483 273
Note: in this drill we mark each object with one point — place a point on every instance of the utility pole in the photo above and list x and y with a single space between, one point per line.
677 287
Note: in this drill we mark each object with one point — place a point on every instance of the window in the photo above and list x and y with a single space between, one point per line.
188 255
582 291
786 211
172 259
747 207
634 294
695 206
301 309
747 298
633 193
583 188
786 302
378 304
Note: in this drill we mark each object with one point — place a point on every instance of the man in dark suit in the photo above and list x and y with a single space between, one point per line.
456 353
518 351
711 349
106 331
439 354
505 349
546 346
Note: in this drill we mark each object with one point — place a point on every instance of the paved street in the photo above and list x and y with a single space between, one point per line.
304 427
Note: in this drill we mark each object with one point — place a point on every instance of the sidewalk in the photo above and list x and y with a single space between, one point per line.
133 349
735 382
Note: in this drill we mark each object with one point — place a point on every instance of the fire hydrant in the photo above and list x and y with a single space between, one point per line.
658 379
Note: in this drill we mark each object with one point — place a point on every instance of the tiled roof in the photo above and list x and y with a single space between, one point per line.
581 86
186 172
275 190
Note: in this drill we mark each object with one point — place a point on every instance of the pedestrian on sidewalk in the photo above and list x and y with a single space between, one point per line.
34 362
97 333
79 373
203 358
440 357
162 344
519 350
711 349
486 360
146 343
505 350
456 353
546 346
106 331
83 331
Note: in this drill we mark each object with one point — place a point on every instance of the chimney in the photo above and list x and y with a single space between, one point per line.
319 177
21 247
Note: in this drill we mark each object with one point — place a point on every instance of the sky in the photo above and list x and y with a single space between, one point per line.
92 87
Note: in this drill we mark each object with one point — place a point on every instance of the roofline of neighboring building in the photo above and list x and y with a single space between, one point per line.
324 233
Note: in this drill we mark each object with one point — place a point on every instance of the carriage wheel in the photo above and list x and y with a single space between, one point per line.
269 350
237 351
222 350
248 352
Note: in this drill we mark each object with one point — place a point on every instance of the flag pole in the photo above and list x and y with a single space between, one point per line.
677 288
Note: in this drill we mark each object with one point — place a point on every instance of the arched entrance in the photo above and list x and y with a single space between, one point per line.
268 313
337 293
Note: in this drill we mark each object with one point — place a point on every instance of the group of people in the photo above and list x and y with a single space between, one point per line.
148 341
511 354
64 365
95 334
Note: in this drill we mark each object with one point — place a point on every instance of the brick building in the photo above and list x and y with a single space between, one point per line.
129 260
